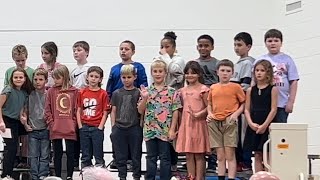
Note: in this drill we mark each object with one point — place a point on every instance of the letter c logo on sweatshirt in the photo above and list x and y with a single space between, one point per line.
63 103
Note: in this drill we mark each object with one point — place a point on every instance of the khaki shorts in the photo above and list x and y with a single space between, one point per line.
223 133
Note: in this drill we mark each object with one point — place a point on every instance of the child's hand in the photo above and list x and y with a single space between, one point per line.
143 91
261 129
172 134
2 126
209 117
162 51
254 126
28 127
192 114
289 107
23 119
233 117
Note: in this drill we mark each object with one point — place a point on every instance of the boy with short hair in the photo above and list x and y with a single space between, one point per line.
225 104
33 119
286 75
78 79
242 75
209 66
125 121
19 56
159 103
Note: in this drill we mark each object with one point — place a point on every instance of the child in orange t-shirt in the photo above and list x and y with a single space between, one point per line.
225 104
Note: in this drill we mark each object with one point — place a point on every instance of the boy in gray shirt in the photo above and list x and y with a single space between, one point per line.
33 119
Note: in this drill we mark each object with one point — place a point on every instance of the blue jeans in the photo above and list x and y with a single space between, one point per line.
39 152
155 148
281 116
91 141
127 142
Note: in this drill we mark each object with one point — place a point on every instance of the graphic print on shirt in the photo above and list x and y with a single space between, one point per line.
63 104
280 73
207 73
126 106
89 106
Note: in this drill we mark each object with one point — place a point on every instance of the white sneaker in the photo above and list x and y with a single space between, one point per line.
7 178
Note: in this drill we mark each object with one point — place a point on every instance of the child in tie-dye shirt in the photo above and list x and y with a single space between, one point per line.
160 104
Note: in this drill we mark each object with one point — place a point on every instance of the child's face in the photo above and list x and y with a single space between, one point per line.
18 78
128 79
79 54
260 73
225 73
191 77
46 56
168 46
20 60
240 48
39 82
158 74
94 79
125 51
204 48
58 81
273 45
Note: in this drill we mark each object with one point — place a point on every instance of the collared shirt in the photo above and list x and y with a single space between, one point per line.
160 106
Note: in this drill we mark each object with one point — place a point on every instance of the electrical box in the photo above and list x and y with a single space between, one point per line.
287 146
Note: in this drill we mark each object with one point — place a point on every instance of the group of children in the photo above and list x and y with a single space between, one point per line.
191 108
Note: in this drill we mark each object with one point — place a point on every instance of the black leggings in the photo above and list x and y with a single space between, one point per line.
58 152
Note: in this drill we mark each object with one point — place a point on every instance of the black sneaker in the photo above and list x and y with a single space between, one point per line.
211 169
113 165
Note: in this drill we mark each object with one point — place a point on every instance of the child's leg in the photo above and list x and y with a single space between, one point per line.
258 161
165 159
152 157
77 147
97 137
34 153
200 166
86 143
57 157
135 145
221 161
120 145
45 153
24 150
232 163
70 156
191 164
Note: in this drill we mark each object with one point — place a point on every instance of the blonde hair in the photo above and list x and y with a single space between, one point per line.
18 50
41 72
159 63
128 69
62 72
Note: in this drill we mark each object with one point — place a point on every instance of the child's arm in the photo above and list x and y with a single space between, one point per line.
142 104
113 115
209 108
103 120
142 76
48 114
292 95
204 111
241 98
3 99
24 119
274 103
252 125
173 127
79 110
238 112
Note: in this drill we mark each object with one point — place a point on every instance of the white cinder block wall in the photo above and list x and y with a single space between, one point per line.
104 24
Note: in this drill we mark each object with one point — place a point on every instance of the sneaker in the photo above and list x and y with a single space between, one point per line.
246 168
69 178
212 169
113 165
239 167
7 178
123 178
174 168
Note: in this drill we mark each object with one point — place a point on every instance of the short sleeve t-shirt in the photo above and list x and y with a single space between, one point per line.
209 67
126 101
36 110
16 100
93 105
284 70
78 76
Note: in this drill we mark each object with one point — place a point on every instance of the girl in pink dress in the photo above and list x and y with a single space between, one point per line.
193 132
